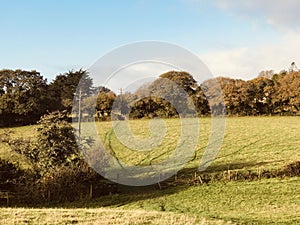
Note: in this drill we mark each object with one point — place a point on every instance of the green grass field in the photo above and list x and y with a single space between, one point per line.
271 201
250 144
258 202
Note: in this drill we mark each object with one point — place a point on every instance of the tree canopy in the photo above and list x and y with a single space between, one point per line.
25 96
64 87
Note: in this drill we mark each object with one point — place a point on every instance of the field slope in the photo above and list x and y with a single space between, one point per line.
251 144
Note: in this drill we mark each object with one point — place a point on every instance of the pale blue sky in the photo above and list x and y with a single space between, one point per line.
233 38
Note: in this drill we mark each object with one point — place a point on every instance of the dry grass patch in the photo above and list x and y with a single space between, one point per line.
19 216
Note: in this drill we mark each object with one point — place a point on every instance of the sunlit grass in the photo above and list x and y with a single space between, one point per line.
99 216
249 142
265 201
272 201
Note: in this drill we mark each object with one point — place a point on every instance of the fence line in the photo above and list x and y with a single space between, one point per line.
89 190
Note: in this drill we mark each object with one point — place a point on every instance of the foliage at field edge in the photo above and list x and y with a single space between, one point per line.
58 171
26 95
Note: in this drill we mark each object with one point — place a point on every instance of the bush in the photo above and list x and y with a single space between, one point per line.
10 173
291 170
73 183
59 170
55 145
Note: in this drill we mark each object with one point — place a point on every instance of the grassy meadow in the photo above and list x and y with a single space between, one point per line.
270 201
250 144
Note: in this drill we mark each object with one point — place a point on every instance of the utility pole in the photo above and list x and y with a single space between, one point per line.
121 99
79 115
121 93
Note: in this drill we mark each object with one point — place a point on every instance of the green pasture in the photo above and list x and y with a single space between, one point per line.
271 201
249 144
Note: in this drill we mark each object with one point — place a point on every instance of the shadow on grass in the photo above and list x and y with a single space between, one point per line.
182 181
126 196
220 168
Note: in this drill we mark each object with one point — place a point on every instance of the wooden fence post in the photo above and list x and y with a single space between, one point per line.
159 179
91 191
49 195
7 198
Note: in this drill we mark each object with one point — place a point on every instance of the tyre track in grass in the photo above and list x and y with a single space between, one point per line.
107 140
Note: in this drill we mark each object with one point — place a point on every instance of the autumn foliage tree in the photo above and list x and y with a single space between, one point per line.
286 98
25 96
173 93
264 95
104 103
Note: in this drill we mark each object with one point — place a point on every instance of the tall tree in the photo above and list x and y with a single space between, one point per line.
23 97
258 94
232 93
150 107
181 90
63 89
104 104
287 93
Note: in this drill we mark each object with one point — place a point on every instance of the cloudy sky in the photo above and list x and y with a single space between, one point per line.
233 38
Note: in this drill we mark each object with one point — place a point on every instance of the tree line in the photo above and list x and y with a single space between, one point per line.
25 96
175 93
278 94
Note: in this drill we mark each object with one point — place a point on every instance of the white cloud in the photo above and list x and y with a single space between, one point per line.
132 76
246 63
278 13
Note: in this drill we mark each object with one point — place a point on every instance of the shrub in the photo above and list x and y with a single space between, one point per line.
291 170
59 171
10 173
